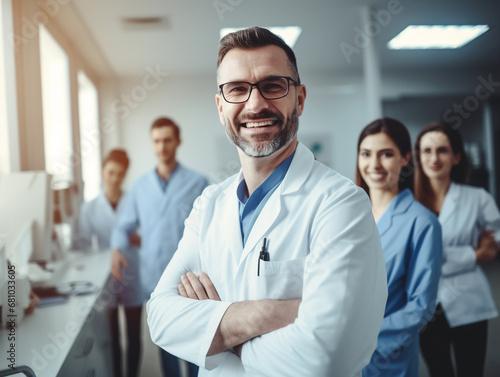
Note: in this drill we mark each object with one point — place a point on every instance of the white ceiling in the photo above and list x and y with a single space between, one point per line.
187 43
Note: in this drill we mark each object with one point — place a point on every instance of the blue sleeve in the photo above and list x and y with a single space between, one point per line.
400 328
127 223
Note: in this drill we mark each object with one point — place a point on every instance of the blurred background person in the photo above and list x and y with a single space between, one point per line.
411 242
158 202
96 221
470 222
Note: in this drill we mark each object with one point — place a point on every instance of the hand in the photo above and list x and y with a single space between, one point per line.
246 320
117 262
197 288
34 300
487 248
134 239
237 349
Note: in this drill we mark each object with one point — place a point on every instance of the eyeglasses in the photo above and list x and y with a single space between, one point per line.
272 88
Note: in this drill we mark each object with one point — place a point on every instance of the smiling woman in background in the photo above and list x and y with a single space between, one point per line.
411 242
97 220
471 230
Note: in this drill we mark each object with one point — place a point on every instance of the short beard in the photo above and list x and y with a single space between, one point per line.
267 148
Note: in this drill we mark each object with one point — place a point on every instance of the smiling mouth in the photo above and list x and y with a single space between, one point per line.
259 124
376 176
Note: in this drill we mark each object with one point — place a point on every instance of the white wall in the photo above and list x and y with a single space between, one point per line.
336 105
190 103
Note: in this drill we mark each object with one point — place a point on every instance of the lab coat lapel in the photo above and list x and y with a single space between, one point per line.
385 221
263 223
298 172
109 212
231 220
450 203
398 205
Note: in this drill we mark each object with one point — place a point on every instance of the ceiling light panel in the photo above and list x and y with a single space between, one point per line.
436 36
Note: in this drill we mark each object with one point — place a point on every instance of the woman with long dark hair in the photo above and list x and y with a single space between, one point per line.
470 221
411 242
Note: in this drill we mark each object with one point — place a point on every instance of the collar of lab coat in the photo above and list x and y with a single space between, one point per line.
297 174
106 205
397 206
450 202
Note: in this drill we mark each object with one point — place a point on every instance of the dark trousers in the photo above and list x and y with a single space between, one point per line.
133 340
469 347
170 365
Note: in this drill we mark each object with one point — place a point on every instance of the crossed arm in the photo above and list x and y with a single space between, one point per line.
243 320
487 248
460 258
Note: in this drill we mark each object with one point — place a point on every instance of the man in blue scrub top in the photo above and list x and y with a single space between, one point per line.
280 270
158 204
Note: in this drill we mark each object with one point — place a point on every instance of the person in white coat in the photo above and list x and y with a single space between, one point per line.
280 270
470 222
97 219
157 204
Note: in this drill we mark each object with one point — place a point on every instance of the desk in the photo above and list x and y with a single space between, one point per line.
72 338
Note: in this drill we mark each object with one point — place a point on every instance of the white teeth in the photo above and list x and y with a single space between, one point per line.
259 124
377 176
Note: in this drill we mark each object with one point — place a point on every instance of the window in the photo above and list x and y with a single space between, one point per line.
4 137
56 107
9 132
89 137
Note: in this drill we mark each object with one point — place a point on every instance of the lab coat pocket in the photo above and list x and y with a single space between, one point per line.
282 279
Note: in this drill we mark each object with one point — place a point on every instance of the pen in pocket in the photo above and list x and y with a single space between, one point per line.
263 255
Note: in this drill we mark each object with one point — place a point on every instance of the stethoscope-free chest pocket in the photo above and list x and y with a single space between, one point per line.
281 279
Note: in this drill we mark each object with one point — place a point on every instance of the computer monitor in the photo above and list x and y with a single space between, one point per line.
65 210
26 210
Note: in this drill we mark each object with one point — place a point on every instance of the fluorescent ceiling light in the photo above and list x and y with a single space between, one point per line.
436 36
290 34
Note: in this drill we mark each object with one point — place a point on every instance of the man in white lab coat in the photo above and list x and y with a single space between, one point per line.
280 270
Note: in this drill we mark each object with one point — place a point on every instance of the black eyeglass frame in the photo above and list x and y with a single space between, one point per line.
252 85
